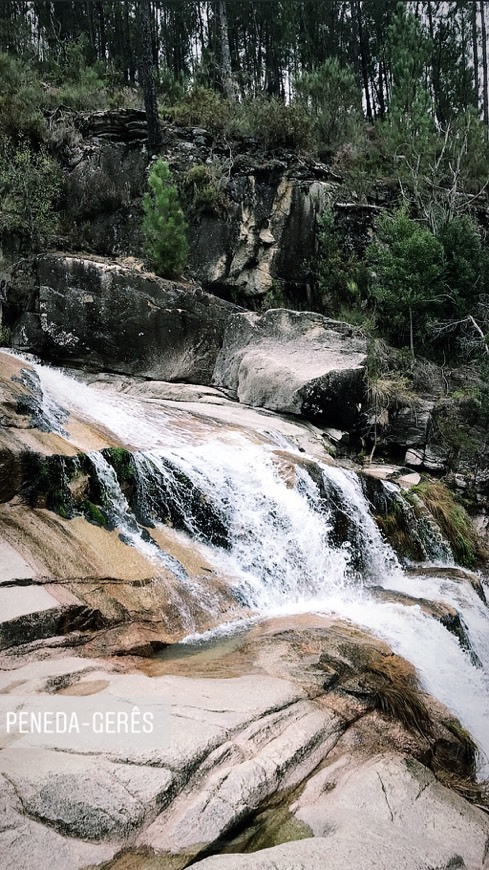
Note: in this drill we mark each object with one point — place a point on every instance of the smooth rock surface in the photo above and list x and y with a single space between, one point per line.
241 725
388 813
295 362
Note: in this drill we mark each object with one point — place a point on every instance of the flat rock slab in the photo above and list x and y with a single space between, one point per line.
229 746
12 565
295 362
21 600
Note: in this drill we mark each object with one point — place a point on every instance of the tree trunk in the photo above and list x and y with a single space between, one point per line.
102 31
475 54
484 62
226 72
364 60
411 334
146 69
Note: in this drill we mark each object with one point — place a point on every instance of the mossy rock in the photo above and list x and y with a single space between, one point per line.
94 514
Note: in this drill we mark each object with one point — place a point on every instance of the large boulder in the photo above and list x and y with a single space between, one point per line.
104 315
295 362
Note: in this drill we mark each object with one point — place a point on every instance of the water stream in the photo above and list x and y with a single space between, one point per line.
298 533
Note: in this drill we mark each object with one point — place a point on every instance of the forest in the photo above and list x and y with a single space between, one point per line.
385 93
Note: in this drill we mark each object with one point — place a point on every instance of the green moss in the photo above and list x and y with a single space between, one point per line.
47 480
94 514
122 462
398 532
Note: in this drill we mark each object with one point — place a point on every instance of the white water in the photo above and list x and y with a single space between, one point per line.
281 557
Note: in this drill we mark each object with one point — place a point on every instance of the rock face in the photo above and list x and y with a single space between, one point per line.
268 236
264 232
104 315
295 362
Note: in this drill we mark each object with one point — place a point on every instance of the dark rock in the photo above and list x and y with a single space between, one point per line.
107 316
49 623
124 125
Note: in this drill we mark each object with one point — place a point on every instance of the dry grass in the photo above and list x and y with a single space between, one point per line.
397 693
391 392
453 521
466 788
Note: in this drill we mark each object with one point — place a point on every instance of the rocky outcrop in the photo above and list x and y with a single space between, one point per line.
268 239
105 315
295 362
263 232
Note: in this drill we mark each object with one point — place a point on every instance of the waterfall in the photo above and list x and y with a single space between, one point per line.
290 532
122 518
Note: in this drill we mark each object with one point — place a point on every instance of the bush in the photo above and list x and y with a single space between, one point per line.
407 264
203 185
466 264
29 185
202 107
341 278
21 101
278 125
76 84
164 225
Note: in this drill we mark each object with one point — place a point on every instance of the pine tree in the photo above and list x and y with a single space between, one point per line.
407 277
164 224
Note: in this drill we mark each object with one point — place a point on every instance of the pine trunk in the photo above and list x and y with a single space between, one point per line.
484 62
147 77
227 76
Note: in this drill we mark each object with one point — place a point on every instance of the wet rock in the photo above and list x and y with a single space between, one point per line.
409 424
444 613
50 622
461 575
103 315
295 362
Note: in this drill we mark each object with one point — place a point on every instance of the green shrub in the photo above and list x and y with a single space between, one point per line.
341 278
466 264
203 185
21 101
202 107
164 225
76 84
171 90
277 125
407 264
30 182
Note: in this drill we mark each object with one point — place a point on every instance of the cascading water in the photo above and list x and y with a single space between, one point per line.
122 518
293 534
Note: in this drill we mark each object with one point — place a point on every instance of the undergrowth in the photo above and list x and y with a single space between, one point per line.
453 521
